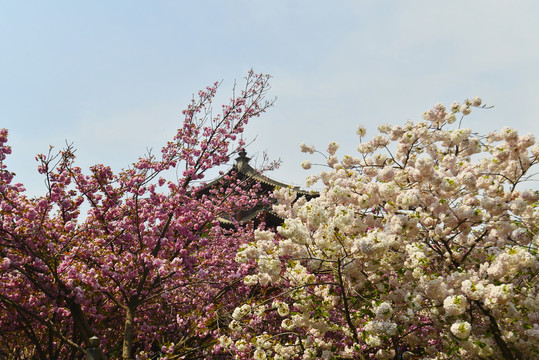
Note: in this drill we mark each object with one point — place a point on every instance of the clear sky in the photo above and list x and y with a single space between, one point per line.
113 76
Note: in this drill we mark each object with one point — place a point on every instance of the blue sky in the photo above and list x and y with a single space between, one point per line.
113 76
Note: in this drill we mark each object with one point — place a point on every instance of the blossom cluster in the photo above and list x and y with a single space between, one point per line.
424 245
148 269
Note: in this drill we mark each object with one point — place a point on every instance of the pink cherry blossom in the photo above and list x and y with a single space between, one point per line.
149 266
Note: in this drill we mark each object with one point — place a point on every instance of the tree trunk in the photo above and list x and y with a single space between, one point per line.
497 333
129 332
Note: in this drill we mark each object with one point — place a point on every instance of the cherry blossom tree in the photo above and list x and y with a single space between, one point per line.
147 268
424 245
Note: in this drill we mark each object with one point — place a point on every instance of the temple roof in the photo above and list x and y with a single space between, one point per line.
244 170
243 167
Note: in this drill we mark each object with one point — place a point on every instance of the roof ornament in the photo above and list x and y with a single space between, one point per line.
242 160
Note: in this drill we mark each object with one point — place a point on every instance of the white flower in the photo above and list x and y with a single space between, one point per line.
473 291
306 164
361 131
287 324
250 280
465 109
241 312
476 101
332 148
234 326
332 160
383 310
383 354
373 340
294 230
259 310
259 354
311 180
241 345
225 341
451 118
461 329
455 305
499 295
271 267
384 128
381 327
306 148
455 106
510 262
365 148
283 309
262 341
